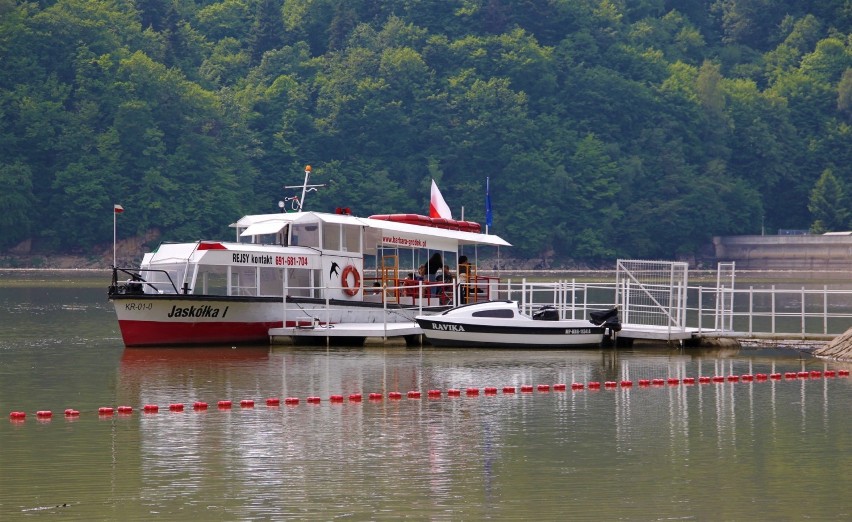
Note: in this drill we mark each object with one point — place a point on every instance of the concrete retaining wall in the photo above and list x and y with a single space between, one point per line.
786 252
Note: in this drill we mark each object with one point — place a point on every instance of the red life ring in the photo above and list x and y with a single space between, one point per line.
344 280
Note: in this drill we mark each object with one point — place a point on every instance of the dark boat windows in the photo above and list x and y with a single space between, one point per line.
501 313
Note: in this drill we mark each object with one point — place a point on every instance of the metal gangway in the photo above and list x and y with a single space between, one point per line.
657 301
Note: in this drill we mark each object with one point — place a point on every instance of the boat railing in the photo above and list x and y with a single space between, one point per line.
772 311
135 283
302 315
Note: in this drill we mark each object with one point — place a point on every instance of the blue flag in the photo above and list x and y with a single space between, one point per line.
488 216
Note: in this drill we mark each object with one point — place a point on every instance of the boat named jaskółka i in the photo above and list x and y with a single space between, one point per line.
289 269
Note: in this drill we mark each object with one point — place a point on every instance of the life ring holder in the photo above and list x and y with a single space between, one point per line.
344 280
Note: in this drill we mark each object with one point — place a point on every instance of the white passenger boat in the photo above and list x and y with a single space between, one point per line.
501 324
289 269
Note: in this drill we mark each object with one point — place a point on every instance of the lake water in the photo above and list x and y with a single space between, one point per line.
732 450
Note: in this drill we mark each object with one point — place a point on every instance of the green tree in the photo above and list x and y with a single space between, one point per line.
829 205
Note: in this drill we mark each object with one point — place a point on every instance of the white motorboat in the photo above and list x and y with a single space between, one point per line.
289 269
501 324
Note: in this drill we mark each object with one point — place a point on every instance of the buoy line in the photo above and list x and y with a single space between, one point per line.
526 389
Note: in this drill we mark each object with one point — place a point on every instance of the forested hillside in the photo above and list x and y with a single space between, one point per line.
608 128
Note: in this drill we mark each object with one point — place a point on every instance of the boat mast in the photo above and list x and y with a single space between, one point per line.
305 188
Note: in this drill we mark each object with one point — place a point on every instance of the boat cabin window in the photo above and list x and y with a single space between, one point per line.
331 236
501 313
243 280
351 238
211 280
271 281
305 234
158 281
302 282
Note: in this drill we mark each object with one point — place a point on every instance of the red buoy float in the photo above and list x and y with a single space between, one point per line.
375 396
644 382
526 388
829 373
703 379
314 400
775 376
843 373
626 383
433 393
17 415
760 376
747 377
609 384
815 373
657 382
543 387
273 401
336 398
291 401
125 410
452 392
594 385
394 395
176 407
577 386
224 405
689 380
199 406
472 392
508 389
673 380
71 412
105 410
354 397
150 408
718 378
44 414
733 378
413 394
559 386
490 390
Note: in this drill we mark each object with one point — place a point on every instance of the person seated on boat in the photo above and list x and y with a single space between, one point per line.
421 273
434 264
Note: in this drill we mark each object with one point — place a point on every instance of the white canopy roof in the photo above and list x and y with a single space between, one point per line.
273 223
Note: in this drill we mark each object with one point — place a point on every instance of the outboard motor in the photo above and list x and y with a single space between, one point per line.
610 321
546 313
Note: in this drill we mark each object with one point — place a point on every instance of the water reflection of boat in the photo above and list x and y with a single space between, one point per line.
289 269
148 357
501 324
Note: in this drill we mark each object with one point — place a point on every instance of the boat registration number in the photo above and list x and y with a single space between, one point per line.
138 306
577 331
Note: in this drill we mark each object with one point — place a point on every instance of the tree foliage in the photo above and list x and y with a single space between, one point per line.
607 128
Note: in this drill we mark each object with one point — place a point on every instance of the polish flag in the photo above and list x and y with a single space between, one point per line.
118 209
437 206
